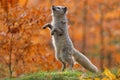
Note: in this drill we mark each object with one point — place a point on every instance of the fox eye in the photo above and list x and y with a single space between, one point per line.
58 8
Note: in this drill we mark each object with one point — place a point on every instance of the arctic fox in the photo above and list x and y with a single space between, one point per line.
64 49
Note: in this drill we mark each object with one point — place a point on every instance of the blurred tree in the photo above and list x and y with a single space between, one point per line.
84 26
102 37
23 43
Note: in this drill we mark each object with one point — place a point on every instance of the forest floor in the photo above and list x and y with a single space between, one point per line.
71 75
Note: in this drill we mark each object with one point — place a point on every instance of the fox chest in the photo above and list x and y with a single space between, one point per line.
58 42
58 24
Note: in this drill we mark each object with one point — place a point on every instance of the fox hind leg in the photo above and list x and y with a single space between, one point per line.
68 59
63 65
63 62
71 64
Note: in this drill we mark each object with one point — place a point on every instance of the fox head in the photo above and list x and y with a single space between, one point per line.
59 10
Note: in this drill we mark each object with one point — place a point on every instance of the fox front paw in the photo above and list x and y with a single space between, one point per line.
43 27
47 25
52 32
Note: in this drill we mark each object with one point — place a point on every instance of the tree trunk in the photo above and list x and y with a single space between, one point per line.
84 26
109 56
10 57
102 38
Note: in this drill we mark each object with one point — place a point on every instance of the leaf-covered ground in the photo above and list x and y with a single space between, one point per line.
71 75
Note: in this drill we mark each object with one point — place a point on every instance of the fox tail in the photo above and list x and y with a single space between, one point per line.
84 61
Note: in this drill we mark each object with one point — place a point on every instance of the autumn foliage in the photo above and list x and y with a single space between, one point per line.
25 47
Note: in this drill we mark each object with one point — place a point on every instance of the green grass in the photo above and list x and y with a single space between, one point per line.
67 75
113 74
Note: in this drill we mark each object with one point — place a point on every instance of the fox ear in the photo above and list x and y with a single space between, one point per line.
52 6
65 9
